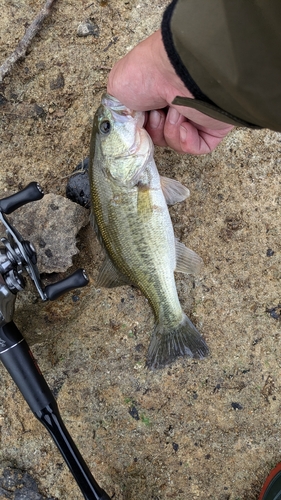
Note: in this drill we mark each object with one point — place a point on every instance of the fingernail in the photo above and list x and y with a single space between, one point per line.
173 116
154 119
183 134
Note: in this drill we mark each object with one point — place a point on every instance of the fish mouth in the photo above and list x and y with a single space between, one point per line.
120 112
111 102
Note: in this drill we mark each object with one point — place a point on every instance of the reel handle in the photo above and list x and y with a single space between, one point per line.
32 192
76 280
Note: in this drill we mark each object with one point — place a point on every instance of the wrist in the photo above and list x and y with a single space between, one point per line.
174 85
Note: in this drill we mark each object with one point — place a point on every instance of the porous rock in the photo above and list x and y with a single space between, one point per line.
51 225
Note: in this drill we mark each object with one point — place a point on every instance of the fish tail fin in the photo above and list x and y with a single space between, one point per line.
169 343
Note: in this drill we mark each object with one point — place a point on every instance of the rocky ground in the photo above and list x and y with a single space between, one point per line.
198 429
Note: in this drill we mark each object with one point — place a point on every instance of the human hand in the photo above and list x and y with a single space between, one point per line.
145 80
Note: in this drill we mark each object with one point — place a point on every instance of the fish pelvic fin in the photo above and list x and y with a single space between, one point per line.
168 344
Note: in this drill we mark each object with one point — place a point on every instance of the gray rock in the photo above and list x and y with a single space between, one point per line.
87 28
51 225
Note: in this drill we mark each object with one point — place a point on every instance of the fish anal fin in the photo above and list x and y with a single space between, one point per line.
173 190
110 277
188 261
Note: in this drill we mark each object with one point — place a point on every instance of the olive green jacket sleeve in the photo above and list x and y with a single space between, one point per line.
228 54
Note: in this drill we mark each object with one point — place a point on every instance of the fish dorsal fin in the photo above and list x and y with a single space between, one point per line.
110 277
187 261
173 190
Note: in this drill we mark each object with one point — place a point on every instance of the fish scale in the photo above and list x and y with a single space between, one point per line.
139 255
132 221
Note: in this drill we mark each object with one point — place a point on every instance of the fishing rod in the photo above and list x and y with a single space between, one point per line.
17 257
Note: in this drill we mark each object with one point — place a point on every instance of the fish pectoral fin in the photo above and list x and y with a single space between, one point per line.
144 203
110 277
173 190
187 261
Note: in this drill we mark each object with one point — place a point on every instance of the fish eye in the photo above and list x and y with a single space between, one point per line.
105 127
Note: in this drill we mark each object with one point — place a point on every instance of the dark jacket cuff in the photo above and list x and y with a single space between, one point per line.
174 57
200 102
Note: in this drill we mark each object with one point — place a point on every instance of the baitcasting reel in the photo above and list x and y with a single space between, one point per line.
19 256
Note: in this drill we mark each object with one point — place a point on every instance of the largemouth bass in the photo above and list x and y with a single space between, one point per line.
130 215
